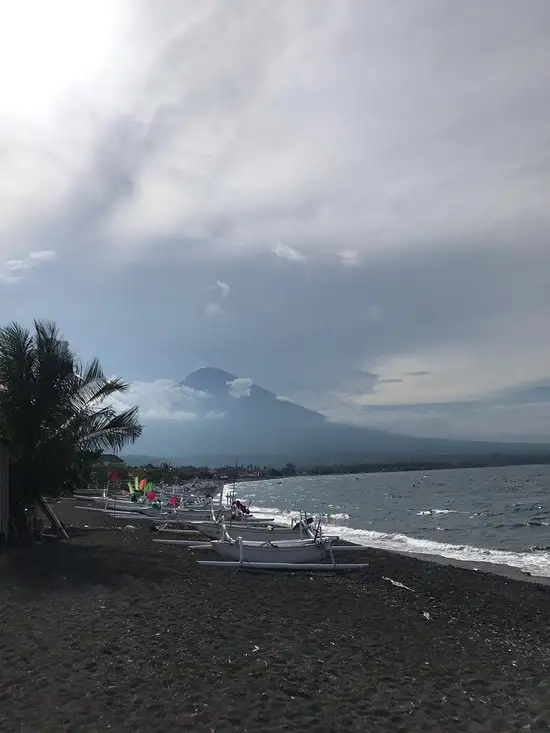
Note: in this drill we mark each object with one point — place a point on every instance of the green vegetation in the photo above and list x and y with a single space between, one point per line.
56 415
177 474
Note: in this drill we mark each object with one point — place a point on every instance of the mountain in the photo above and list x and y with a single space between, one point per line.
254 407
237 419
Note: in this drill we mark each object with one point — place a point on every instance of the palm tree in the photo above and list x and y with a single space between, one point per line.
56 415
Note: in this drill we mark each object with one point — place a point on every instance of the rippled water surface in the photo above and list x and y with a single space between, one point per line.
486 514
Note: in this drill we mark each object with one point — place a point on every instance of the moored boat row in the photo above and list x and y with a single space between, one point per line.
264 546
229 530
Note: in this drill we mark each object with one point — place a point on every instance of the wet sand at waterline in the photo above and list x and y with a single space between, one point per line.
111 632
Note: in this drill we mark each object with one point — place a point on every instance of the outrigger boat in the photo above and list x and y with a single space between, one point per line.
251 533
296 555
142 500
255 529
146 504
136 492
310 553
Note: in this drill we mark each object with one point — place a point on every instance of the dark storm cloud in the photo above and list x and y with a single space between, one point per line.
346 202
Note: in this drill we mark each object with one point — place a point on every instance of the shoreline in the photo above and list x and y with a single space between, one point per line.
489 568
501 569
485 568
111 631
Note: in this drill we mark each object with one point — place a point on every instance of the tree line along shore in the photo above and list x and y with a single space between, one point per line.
167 473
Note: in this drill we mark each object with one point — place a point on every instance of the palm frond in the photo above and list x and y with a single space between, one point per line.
112 432
54 409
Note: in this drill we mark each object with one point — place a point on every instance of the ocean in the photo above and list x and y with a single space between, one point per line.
490 515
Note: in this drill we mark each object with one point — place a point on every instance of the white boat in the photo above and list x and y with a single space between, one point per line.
285 551
187 507
135 506
144 512
285 555
248 530
195 492
148 514
284 548
106 501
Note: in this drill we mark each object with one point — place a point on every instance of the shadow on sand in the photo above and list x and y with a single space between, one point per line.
80 564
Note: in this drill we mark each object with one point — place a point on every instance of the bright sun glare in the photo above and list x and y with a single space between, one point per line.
49 48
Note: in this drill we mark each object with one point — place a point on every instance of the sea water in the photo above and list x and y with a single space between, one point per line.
491 515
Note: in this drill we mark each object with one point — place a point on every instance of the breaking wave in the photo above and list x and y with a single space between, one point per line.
535 561
430 512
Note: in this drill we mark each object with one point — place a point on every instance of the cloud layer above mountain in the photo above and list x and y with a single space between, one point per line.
346 202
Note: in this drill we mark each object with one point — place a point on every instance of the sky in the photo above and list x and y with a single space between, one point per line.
345 202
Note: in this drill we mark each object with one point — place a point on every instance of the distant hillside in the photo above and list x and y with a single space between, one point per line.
240 420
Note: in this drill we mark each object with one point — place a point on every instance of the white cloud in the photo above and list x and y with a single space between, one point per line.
224 288
260 128
215 415
251 124
240 387
162 399
349 257
192 394
42 255
213 309
288 253
217 134
15 269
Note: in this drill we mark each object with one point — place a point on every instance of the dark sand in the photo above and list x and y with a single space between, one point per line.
111 632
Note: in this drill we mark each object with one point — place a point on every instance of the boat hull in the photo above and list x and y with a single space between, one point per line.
214 531
287 552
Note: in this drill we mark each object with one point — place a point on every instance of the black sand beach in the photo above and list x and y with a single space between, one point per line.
112 632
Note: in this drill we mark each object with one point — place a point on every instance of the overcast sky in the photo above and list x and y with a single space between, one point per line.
347 202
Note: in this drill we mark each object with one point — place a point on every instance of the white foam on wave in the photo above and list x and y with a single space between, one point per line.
280 515
335 517
293 515
429 512
536 562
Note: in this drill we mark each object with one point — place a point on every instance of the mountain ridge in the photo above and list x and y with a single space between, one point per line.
236 417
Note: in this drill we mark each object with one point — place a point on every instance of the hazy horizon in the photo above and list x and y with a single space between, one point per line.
345 203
